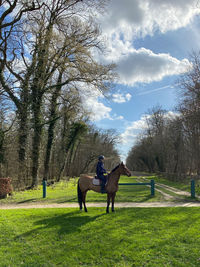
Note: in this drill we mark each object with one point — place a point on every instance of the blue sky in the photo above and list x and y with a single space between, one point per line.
151 42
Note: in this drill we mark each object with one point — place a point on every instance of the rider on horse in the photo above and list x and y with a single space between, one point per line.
101 173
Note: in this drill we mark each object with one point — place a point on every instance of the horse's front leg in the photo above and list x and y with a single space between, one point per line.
108 202
84 197
113 201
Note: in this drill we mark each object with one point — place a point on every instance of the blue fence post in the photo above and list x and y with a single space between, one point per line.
193 188
152 187
44 188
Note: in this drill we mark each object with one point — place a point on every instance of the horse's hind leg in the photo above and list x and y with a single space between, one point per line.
84 197
113 201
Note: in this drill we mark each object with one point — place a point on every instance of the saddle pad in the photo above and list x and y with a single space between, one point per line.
95 181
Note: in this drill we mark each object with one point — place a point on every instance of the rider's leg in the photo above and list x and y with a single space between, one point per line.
103 182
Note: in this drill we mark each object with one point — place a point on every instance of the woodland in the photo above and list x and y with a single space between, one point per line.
171 142
48 52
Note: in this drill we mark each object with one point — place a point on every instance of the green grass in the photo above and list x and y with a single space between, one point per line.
129 237
67 192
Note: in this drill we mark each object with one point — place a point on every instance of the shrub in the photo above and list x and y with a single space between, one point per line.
5 187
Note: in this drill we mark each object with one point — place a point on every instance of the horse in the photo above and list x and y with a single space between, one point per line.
85 183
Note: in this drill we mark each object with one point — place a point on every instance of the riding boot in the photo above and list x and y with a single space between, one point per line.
103 190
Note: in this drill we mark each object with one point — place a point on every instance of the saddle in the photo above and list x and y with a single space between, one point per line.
97 181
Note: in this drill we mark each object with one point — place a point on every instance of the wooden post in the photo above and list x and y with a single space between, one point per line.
44 188
152 187
193 188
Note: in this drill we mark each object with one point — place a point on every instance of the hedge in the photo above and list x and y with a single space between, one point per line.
5 187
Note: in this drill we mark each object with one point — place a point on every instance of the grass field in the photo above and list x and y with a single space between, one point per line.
67 192
129 237
66 237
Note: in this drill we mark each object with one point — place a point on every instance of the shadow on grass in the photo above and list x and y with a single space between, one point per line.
146 198
73 199
63 224
27 200
187 199
73 222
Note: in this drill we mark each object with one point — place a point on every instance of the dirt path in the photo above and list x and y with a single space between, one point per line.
171 189
165 195
117 205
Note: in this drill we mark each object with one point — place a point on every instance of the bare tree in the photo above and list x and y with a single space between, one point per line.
190 108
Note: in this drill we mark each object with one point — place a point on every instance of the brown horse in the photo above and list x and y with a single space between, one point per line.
85 183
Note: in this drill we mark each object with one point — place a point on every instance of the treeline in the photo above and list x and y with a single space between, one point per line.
171 141
46 62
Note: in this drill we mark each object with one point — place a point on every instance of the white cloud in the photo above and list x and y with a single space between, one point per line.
145 66
138 18
121 98
128 96
131 132
171 14
120 117
171 115
98 110
128 20
92 101
115 117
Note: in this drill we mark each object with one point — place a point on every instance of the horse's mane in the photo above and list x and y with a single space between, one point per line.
115 168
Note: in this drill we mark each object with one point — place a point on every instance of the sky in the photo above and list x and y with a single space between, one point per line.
151 42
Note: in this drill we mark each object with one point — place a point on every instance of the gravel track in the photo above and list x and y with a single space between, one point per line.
117 205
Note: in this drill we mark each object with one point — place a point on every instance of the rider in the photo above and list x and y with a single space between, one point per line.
101 173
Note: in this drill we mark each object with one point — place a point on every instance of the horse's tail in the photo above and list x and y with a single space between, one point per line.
80 195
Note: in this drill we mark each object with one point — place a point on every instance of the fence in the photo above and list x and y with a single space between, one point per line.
151 184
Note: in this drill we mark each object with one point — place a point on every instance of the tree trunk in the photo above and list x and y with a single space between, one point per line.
36 142
60 174
22 141
1 151
51 128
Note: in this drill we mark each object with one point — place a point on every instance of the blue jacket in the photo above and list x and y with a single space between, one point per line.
100 169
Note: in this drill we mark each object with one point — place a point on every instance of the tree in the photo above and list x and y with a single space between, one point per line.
69 55
190 108
77 130
6 123
12 11
12 16
53 45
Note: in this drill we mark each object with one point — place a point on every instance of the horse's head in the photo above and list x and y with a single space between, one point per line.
124 170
